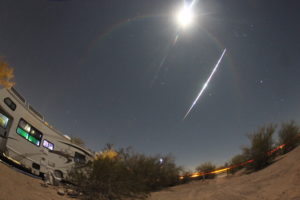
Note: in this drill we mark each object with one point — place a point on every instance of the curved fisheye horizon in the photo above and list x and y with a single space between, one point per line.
99 73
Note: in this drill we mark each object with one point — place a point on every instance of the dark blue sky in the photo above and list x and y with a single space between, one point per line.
90 66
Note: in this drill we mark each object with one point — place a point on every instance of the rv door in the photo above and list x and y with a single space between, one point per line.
5 122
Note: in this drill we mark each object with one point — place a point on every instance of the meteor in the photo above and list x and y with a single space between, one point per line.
205 84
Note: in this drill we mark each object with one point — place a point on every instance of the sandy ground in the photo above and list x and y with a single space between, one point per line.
281 181
18 186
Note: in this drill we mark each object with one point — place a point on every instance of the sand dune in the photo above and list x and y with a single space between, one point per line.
281 181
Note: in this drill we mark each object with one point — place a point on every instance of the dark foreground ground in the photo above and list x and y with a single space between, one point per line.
17 186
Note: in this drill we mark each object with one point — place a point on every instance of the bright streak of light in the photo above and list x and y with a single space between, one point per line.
205 84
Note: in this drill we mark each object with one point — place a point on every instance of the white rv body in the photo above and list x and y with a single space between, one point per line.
28 140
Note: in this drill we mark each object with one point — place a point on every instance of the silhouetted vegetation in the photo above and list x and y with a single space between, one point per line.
206 168
78 141
127 175
235 163
6 74
261 143
262 149
185 177
288 135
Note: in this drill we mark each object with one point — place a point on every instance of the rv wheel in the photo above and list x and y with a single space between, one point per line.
58 174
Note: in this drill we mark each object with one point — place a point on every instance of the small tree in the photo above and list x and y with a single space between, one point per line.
288 135
6 74
206 168
261 144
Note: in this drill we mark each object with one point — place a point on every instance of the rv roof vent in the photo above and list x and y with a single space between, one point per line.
36 112
68 137
18 94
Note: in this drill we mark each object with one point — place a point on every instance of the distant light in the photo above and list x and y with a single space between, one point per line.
185 16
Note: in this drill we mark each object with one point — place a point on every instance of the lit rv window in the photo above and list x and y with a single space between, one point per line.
10 103
79 158
48 145
3 120
24 125
29 133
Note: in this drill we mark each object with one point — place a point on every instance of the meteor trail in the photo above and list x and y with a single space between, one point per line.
205 84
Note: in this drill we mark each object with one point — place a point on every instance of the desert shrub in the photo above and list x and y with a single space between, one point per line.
261 143
128 175
206 168
156 172
107 179
235 163
288 135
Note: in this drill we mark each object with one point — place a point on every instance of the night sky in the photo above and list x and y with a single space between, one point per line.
93 69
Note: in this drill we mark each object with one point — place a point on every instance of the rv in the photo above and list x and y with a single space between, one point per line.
28 140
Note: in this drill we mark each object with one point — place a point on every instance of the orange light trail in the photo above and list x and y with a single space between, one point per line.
218 171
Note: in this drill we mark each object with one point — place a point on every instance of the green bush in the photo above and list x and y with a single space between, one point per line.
128 175
288 135
261 143
206 168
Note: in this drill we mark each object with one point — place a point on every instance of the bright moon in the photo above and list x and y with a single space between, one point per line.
185 16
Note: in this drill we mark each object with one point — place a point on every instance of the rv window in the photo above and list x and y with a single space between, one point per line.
79 158
24 125
48 145
29 133
3 120
10 103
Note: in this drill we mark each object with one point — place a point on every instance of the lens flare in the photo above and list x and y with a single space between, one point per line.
185 16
